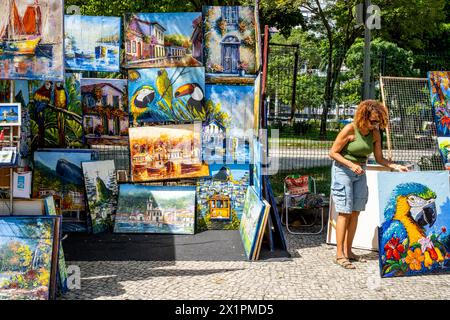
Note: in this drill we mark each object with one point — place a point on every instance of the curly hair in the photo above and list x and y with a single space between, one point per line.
364 111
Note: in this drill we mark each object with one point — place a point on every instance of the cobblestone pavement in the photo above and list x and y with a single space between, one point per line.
309 274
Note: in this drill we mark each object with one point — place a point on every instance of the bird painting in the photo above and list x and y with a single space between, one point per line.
61 98
196 102
141 100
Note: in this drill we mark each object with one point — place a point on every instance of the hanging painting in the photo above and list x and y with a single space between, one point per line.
415 219
166 152
230 44
221 198
170 94
105 111
92 43
439 82
101 192
155 209
444 148
257 167
10 114
155 40
31 40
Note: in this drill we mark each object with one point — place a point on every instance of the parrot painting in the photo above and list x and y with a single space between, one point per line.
196 97
42 97
61 99
164 87
141 100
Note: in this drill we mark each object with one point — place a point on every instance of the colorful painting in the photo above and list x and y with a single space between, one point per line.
230 43
444 148
257 106
155 40
56 113
5 91
220 199
28 257
166 152
101 191
252 216
440 98
171 94
257 167
415 219
105 111
10 114
92 43
31 40
155 209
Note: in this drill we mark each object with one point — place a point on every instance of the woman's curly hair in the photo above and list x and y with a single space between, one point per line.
364 111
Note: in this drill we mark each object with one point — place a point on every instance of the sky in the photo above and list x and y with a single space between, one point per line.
159 193
50 159
103 168
118 83
238 170
172 130
10 229
174 22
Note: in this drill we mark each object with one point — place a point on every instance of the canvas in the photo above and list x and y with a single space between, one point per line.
257 167
166 94
56 113
29 248
163 40
220 198
230 43
22 185
439 82
257 106
415 219
10 114
166 152
444 149
92 43
262 231
101 192
155 209
31 40
105 111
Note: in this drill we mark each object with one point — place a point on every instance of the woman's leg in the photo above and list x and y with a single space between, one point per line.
341 231
350 234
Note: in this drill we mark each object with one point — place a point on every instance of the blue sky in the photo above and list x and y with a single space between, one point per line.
50 159
10 228
174 22
158 192
238 170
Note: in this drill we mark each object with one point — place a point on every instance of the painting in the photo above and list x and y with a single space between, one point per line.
155 209
22 184
252 216
444 149
257 106
166 94
155 40
105 111
415 219
56 113
220 198
10 114
230 44
92 43
439 82
257 167
232 121
31 40
101 192
262 231
166 152
29 250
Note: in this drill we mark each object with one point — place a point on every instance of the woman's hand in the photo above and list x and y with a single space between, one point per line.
401 168
357 169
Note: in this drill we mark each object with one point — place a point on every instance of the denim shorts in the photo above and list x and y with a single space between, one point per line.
349 190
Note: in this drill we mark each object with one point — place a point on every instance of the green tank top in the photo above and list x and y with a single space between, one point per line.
359 149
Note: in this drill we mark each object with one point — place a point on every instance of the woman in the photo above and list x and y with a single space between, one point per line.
349 189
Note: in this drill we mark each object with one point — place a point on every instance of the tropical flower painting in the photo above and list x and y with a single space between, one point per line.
439 82
414 237
444 149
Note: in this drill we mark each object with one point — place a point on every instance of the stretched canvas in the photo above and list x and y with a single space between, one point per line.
155 209
166 94
22 185
444 149
92 43
439 82
166 152
31 40
220 198
163 40
230 43
415 219
10 114
105 111
29 249
257 167
101 191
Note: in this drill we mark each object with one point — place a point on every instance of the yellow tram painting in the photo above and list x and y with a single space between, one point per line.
220 207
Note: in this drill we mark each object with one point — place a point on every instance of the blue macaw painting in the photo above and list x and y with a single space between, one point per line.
92 43
168 94
10 114
439 82
414 237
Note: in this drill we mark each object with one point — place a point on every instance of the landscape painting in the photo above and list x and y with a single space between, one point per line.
101 191
92 43
31 40
444 149
154 40
155 209
230 44
439 82
414 237
28 257
166 152
105 111
10 114
220 199
167 94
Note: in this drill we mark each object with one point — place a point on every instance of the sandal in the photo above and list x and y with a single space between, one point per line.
357 258
344 263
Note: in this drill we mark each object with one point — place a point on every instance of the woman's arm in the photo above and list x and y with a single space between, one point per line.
344 137
379 158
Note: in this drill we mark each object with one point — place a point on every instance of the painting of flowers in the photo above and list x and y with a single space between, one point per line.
413 236
439 82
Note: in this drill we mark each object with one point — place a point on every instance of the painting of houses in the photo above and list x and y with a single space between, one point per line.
31 40
105 111
163 40
166 152
220 198
155 209
92 43
439 82
230 43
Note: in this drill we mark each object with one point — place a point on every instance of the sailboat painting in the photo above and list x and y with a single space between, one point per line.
31 40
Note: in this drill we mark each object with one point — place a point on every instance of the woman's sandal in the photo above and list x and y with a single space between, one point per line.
344 263
356 258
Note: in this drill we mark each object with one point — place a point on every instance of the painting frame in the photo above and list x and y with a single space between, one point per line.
17 111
